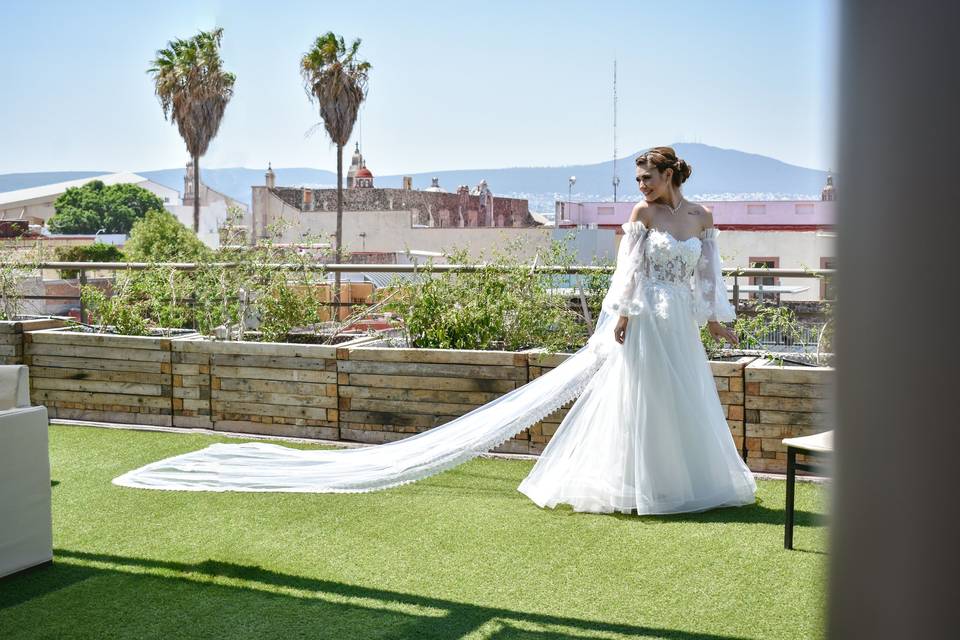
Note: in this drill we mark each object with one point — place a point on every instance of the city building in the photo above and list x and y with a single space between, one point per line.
34 206
214 208
787 234
381 219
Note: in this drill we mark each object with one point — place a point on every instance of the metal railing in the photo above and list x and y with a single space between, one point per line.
83 267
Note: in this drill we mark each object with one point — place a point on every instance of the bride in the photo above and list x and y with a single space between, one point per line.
647 433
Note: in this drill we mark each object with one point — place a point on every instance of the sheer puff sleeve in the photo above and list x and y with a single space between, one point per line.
620 299
709 288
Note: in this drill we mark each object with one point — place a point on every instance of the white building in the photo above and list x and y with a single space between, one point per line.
36 203
214 209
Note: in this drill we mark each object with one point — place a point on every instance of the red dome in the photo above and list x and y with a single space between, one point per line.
363 172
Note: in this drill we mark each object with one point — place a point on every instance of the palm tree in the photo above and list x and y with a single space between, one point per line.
336 80
193 90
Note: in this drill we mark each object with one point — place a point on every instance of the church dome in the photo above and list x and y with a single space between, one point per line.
363 172
435 186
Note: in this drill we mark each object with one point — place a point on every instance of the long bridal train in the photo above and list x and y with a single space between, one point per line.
270 467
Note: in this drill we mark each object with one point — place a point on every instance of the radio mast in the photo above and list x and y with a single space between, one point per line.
616 178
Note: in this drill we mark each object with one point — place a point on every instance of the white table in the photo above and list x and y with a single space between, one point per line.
819 445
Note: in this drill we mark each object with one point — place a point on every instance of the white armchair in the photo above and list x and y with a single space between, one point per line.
26 530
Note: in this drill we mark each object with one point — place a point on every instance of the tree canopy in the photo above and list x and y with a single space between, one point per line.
336 79
95 206
193 89
160 237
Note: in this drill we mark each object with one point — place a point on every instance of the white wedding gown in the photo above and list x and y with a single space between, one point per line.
646 433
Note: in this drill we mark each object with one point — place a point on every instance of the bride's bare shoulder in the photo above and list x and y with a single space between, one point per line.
706 216
641 211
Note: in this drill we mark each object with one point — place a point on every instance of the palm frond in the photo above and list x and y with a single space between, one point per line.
336 81
192 87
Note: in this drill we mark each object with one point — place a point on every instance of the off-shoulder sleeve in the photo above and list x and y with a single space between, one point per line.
709 288
619 299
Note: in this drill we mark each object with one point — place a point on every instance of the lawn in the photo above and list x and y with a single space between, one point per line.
459 555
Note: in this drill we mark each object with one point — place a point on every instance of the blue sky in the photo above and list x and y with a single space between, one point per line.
453 86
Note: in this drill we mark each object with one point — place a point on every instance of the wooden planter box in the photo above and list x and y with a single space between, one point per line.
256 387
728 374
784 402
11 336
100 376
361 393
388 394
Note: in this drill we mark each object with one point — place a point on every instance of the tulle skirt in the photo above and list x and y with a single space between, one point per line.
648 433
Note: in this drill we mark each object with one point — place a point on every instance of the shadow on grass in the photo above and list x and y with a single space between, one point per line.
101 595
757 513
751 514
504 486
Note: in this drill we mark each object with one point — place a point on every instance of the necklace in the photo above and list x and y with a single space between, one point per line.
677 208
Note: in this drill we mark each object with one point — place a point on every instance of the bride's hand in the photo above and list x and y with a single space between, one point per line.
620 331
722 332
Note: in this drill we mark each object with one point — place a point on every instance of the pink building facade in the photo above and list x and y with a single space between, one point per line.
763 215
786 234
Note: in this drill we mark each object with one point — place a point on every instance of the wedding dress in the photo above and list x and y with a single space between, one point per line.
647 431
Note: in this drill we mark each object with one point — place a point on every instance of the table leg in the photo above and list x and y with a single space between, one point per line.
791 481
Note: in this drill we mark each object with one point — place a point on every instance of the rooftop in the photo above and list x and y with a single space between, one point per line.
50 190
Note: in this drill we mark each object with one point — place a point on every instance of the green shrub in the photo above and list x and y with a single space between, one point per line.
96 252
512 309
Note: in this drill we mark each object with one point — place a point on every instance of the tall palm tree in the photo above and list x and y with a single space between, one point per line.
193 90
336 80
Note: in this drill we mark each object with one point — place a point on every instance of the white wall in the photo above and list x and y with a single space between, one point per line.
212 217
795 249
170 197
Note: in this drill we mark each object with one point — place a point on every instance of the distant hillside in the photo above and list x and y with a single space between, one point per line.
716 172
236 182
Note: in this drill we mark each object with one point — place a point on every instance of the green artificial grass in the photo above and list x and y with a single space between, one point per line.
460 555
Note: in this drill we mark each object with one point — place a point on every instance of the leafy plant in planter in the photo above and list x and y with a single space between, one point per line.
766 317
17 263
152 298
487 309
825 339
254 292
228 288
121 311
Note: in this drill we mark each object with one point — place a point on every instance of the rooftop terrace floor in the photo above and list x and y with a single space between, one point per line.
458 555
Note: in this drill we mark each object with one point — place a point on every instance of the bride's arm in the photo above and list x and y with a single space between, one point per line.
711 305
620 297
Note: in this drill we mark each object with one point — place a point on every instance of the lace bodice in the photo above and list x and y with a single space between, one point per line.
651 259
668 260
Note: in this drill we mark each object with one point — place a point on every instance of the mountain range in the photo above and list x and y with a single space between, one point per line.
717 174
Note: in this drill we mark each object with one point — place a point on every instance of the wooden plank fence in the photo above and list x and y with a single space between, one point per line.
364 394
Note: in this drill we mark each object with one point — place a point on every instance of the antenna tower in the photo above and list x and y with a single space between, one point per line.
616 178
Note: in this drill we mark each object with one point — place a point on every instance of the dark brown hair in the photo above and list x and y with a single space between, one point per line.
664 158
